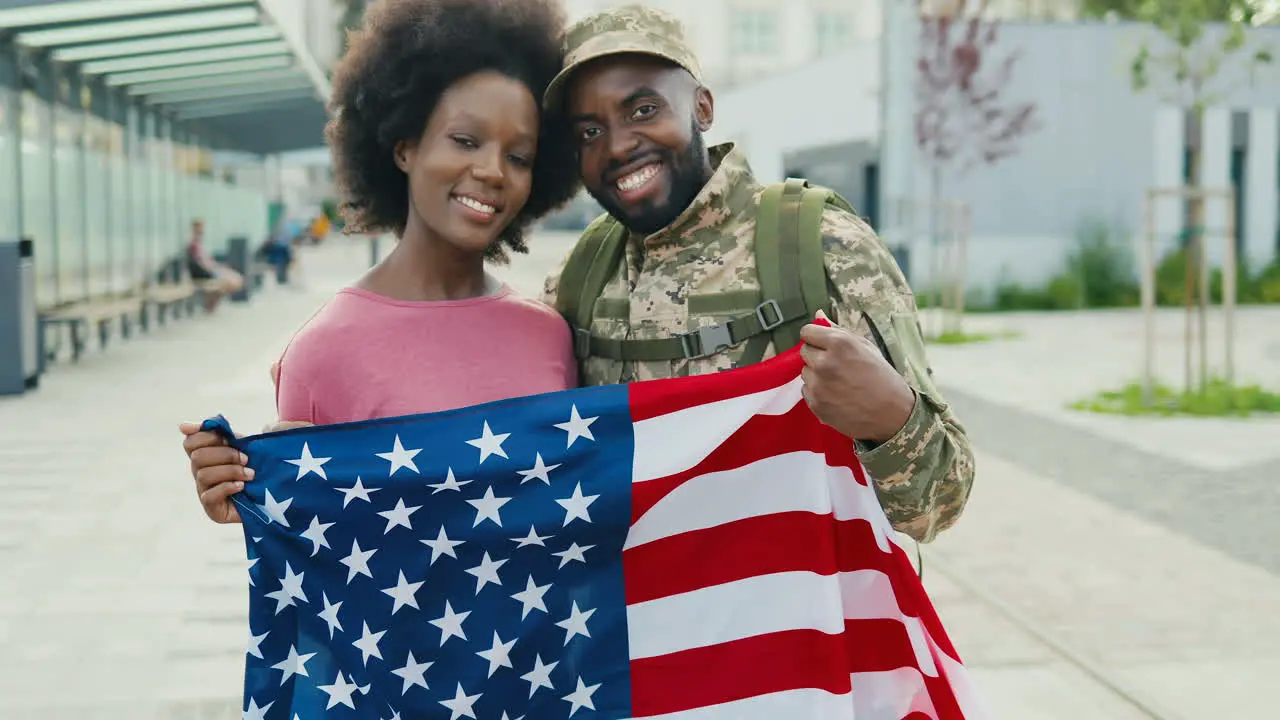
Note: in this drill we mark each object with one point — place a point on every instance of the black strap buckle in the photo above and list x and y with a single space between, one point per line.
777 313
709 340
581 343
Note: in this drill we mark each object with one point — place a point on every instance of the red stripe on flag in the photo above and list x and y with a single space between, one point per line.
782 542
764 664
658 397
739 669
761 437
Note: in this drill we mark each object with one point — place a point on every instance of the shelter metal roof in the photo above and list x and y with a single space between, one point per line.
227 67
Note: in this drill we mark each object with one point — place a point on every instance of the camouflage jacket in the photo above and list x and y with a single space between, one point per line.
685 276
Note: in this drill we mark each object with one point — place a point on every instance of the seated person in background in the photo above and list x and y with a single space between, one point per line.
202 266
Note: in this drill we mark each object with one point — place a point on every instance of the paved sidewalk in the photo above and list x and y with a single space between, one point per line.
122 601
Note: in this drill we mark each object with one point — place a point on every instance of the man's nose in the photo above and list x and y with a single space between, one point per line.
622 145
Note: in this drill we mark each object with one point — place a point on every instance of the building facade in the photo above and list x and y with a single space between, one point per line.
1099 149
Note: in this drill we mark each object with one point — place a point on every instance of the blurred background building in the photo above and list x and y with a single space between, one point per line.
123 120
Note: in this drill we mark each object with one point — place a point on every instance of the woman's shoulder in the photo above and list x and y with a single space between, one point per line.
532 312
327 331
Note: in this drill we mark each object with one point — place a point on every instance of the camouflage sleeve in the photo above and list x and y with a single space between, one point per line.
923 474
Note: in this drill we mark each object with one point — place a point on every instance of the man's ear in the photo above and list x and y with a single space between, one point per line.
704 110
404 156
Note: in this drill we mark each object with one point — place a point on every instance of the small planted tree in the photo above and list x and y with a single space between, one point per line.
962 116
1198 53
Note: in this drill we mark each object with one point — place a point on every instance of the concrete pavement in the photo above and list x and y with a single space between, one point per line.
121 600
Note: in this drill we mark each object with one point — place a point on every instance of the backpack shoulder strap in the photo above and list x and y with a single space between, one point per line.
591 263
789 259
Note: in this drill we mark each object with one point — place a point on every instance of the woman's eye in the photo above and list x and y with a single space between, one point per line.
647 109
465 142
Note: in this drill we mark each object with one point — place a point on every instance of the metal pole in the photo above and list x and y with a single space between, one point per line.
1229 290
1148 297
1202 258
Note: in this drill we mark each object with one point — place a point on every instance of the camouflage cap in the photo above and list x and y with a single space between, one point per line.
626 29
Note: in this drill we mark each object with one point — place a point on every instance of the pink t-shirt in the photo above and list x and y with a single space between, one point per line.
365 356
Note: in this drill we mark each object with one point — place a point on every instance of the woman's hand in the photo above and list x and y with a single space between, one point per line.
219 470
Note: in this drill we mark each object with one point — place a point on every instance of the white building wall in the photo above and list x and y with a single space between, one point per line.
1101 147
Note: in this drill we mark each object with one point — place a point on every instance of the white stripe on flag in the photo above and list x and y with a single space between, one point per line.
782 483
670 443
733 611
767 604
890 695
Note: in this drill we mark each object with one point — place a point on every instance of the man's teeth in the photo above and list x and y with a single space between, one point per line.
477 205
638 178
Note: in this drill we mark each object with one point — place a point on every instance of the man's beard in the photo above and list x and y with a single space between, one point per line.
688 176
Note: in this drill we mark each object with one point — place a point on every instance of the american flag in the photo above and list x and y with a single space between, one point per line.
693 549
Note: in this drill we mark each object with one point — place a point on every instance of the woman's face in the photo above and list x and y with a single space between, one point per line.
471 171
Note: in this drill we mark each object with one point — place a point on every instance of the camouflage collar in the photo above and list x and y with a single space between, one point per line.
732 188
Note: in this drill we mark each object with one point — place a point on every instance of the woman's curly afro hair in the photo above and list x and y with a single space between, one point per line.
397 66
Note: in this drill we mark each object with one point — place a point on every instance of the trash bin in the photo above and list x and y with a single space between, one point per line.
19 323
239 259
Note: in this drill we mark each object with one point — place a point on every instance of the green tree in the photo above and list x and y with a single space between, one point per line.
1182 62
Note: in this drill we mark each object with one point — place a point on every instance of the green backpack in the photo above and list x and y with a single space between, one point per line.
789 262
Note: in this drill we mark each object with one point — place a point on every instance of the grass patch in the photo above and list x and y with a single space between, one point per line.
964 338
1218 399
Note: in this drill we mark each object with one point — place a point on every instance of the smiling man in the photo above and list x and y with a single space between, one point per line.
697 267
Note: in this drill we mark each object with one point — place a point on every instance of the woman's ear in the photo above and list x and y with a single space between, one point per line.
404 153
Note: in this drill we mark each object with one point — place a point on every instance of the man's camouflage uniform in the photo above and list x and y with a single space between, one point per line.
700 271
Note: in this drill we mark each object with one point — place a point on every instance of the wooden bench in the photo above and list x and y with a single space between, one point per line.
81 315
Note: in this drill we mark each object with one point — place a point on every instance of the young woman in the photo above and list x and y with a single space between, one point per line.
437 137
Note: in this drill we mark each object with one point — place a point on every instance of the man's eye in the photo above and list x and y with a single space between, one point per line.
646 109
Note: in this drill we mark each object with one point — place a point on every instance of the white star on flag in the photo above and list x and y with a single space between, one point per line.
442 545
315 533
487 507
581 697
399 516
403 594
339 692
450 623
489 444
400 458
575 506
540 675
533 538
539 471
576 623
308 464
573 553
356 492
499 655
577 427
460 704
531 597
450 483
295 664
275 510
368 644
413 673
486 572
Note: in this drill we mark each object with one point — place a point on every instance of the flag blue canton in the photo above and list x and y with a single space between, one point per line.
453 565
